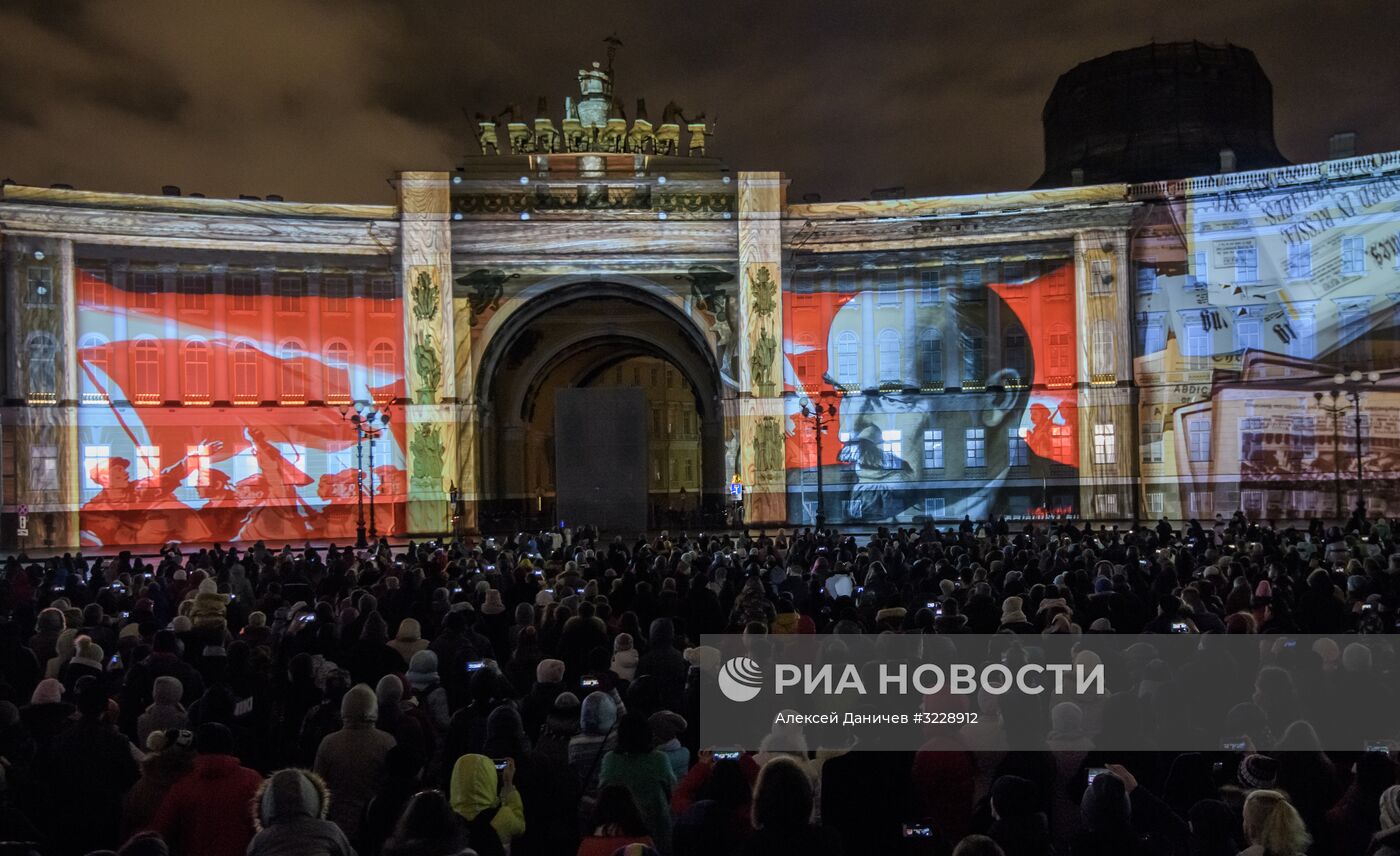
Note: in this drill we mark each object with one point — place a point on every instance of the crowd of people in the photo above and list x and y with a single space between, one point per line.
541 696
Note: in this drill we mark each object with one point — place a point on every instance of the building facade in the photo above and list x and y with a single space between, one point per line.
187 368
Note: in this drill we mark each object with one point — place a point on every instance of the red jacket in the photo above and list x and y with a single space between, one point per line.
209 812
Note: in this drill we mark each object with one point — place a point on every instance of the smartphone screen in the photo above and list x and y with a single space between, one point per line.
475 665
1095 772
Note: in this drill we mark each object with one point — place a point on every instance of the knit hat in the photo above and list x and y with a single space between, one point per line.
409 630
705 657
179 576
209 586
182 624
1258 771
544 597
493 605
623 642
89 650
257 619
549 671
665 725
1105 804
130 631
360 704
422 670
893 613
1101 625
49 691
288 794
167 690
1390 807
1103 585
1011 610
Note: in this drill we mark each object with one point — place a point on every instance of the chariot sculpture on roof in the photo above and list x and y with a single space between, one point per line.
596 123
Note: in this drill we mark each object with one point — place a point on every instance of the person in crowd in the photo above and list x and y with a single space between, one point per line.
720 821
198 814
351 761
1212 829
484 794
1386 841
597 722
289 813
1019 824
429 827
1273 827
782 815
89 765
170 755
646 773
165 711
614 825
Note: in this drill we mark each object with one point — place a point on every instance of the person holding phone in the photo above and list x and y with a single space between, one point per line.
486 797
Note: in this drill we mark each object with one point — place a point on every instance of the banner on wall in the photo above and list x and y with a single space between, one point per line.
159 462
952 383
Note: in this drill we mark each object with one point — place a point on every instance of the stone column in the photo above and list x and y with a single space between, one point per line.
762 423
425 277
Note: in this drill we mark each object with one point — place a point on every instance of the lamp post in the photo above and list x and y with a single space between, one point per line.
820 415
1335 411
1349 385
364 418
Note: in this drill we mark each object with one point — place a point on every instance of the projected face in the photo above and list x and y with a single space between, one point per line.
902 446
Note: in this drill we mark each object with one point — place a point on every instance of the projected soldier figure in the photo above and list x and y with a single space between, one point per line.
144 510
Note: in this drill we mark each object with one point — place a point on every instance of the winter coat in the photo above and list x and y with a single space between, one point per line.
352 763
159 773
206 812
165 712
648 777
290 816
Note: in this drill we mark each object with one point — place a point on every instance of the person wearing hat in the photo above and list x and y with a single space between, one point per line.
196 815
624 657
170 755
165 712
561 723
1018 823
88 767
88 659
289 813
1386 842
408 640
667 727
549 683
1012 618
351 760
426 688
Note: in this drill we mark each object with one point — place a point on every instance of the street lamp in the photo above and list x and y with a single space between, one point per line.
820 415
364 420
1349 385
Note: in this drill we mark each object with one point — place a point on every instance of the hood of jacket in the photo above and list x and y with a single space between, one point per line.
598 714
473 785
289 795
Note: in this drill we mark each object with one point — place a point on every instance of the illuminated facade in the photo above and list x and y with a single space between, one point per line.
180 366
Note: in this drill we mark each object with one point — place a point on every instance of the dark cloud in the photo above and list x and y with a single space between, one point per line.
323 100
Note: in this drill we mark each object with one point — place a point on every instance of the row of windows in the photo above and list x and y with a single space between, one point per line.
1295 333
297 371
194 291
975 446
1298 264
929 363
674 420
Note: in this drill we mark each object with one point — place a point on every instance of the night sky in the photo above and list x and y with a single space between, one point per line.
324 99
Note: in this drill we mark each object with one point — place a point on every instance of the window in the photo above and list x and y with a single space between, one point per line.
933 449
653 376
147 461
1247 263
1146 280
1061 354
846 286
291 291
892 447
1101 277
656 429
974 358
1101 351
928 287
689 470
1303 339
935 507
1061 446
292 372
1014 354
40 290
888 284
889 357
1197 337
1154 502
245 373
1152 442
1300 260
92 357
1198 437
42 369
1201 503
1152 332
1104 450
92 288
972 277
931 358
848 357
194 292
381 292
382 370
95 460
976 447
43 468
337 293
198 458
1249 333
1353 255
145 372
1199 276
1106 504
337 372
196 360
243 293
145 290
1353 318
1018 454
1013 273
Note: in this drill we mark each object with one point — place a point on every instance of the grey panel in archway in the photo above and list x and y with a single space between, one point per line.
600 457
